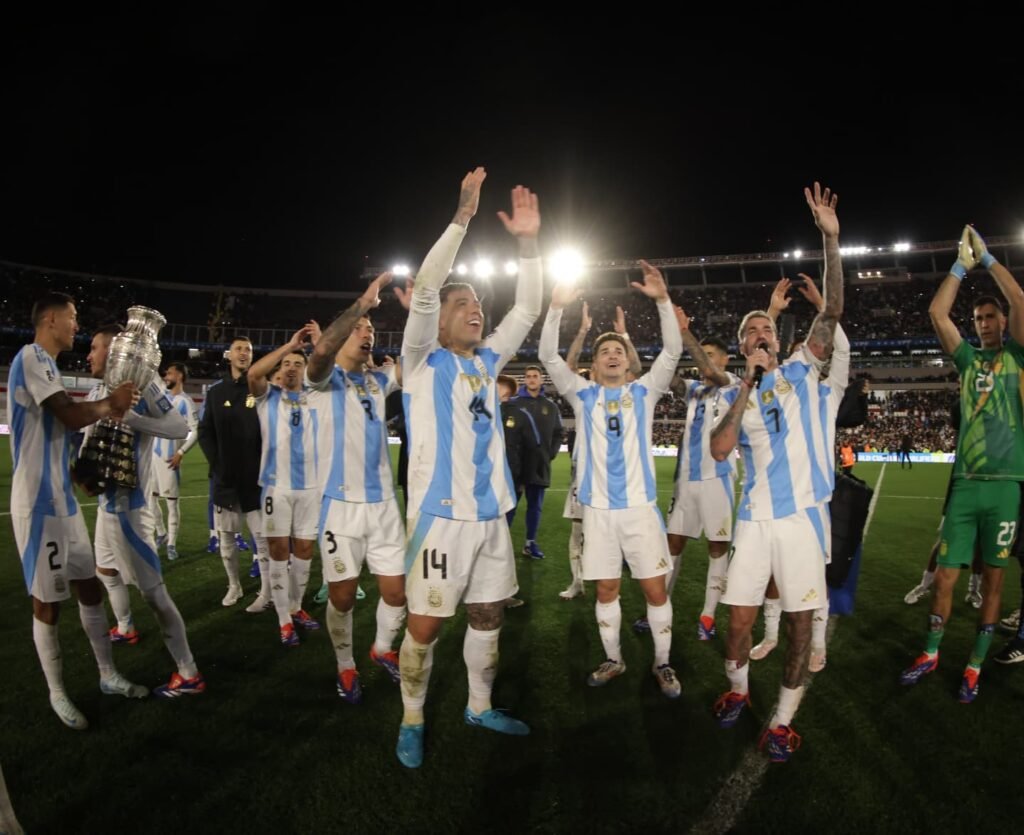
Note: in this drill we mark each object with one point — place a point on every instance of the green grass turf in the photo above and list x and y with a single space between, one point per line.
270 747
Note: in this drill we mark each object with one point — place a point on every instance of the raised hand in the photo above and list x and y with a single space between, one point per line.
469 196
977 244
299 337
525 219
620 320
371 298
809 291
653 285
314 331
404 296
681 318
823 207
780 299
562 295
586 323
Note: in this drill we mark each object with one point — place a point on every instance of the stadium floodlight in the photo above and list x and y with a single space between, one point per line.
798 253
511 268
400 270
566 266
785 255
901 247
852 250
462 269
483 268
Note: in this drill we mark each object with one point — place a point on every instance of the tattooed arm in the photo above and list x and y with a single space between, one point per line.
823 208
326 347
696 352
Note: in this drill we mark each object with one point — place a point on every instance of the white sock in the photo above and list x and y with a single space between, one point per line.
94 622
389 624
339 627
229 556
772 616
480 652
158 516
576 552
262 555
714 586
173 521
415 662
213 533
737 676
609 624
927 578
279 591
673 575
975 583
299 581
47 644
819 625
789 701
660 620
120 602
172 628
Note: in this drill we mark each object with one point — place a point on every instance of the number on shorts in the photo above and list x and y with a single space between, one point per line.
774 415
614 425
52 556
1006 532
268 506
368 408
430 560
329 536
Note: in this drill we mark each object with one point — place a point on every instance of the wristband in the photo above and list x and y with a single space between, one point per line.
987 260
959 270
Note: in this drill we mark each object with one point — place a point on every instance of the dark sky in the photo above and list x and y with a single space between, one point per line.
274 155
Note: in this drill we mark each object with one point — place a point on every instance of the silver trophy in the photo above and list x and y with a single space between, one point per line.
108 457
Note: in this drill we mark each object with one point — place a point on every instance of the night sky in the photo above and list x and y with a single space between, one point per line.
272 155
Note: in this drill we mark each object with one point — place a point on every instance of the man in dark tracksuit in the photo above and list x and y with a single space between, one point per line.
535 472
229 434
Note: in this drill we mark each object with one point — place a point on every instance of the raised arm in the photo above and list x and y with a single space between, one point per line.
939 310
572 358
694 349
1008 285
823 208
259 370
664 368
326 345
524 224
564 379
635 368
425 303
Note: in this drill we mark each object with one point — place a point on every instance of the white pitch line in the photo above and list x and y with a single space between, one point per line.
731 800
874 501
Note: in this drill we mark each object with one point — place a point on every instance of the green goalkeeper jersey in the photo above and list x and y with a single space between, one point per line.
991 441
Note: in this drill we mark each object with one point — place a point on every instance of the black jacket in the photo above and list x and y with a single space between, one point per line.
229 434
546 424
520 439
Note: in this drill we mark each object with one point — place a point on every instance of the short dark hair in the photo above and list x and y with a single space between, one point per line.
180 367
536 368
715 342
239 338
506 380
609 336
110 329
50 300
981 301
298 352
454 286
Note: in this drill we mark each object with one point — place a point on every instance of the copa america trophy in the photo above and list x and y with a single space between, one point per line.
108 457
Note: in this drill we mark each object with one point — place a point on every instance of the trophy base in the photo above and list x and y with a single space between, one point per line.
107 459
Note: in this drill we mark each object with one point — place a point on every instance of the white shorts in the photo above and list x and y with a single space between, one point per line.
54 551
636 534
229 520
794 550
287 512
702 507
166 482
352 533
448 560
124 542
